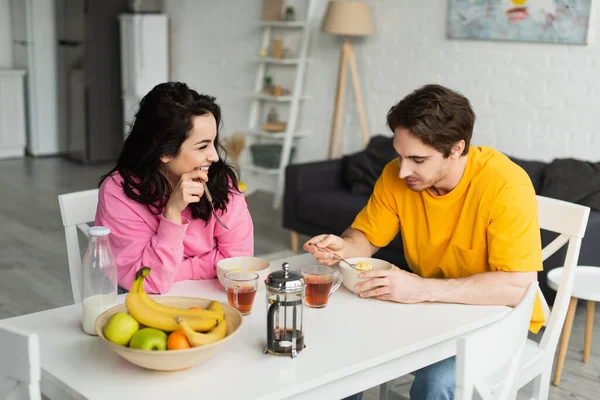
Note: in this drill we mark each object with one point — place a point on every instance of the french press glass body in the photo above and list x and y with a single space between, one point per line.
285 312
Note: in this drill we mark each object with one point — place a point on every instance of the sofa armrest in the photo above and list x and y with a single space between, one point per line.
314 176
320 175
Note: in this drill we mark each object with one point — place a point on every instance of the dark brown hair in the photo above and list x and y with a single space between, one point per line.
437 115
162 123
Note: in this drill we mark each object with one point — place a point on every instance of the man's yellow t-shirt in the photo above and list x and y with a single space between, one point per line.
488 222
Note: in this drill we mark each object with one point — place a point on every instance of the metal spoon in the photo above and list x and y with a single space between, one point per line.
338 258
210 201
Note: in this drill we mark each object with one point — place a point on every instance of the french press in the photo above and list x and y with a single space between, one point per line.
285 311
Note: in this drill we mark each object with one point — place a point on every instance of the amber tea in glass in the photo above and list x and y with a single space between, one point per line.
241 289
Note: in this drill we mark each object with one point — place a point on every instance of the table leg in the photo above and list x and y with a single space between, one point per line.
383 391
294 241
589 327
564 343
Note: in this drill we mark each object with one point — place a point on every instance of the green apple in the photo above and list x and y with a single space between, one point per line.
149 339
120 328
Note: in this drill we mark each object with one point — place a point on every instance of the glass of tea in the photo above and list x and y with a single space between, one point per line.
241 289
320 284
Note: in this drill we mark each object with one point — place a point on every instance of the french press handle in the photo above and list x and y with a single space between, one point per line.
270 325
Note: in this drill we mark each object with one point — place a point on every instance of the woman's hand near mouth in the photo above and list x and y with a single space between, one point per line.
188 190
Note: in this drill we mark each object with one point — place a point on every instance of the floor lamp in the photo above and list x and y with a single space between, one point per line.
346 18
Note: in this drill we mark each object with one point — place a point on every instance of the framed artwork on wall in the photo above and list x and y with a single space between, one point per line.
549 21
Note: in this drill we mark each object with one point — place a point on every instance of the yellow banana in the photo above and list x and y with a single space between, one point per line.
198 339
174 311
146 312
216 307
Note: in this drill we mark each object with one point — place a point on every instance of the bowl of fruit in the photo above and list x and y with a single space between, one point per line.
167 333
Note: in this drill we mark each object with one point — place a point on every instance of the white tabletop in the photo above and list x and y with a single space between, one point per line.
586 285
352 344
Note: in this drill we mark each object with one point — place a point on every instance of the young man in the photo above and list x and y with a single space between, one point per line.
467 215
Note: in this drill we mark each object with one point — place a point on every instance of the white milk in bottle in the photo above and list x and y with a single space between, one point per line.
99 278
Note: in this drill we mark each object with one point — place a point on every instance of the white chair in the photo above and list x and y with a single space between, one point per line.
77 209
569 221
494 349
20 370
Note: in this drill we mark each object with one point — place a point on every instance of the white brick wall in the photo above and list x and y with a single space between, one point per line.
532 100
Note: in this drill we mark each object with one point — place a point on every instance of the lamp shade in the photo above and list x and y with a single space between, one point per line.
348 18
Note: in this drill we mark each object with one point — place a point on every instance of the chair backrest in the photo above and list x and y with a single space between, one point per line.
569 221
489 350
77 209
20 370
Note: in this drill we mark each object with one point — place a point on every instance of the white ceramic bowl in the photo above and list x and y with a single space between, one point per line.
350 275
252 264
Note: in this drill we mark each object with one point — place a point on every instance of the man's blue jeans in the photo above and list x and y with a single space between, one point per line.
435 382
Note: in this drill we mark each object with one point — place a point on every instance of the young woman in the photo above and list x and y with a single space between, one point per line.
154 202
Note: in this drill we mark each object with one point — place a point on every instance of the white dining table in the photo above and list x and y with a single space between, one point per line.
351 345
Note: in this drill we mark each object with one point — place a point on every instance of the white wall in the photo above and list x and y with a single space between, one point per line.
212 44
532 100
6 52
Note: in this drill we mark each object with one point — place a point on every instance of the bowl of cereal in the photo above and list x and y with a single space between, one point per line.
249 264
350 275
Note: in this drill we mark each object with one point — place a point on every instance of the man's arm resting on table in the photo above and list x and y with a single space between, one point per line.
486 288
356 244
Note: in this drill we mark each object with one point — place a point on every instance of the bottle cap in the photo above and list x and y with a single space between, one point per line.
98 231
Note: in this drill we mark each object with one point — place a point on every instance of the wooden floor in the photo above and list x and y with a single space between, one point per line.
34 273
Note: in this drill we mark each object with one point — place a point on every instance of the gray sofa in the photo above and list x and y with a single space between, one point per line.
319 198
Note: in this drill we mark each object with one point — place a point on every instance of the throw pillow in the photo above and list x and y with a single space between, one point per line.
361 170
573 180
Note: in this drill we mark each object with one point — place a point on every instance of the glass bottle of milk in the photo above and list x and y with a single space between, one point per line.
99 278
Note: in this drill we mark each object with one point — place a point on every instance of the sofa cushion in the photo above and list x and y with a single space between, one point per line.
573 180
535 170
331 210
361 170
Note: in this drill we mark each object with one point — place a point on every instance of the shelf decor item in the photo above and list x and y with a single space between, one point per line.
267 85
277 48
273 124
272 116
268 155
272 10
346 19
234 145
290 13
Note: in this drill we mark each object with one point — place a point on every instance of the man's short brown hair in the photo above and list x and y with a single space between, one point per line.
437 115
